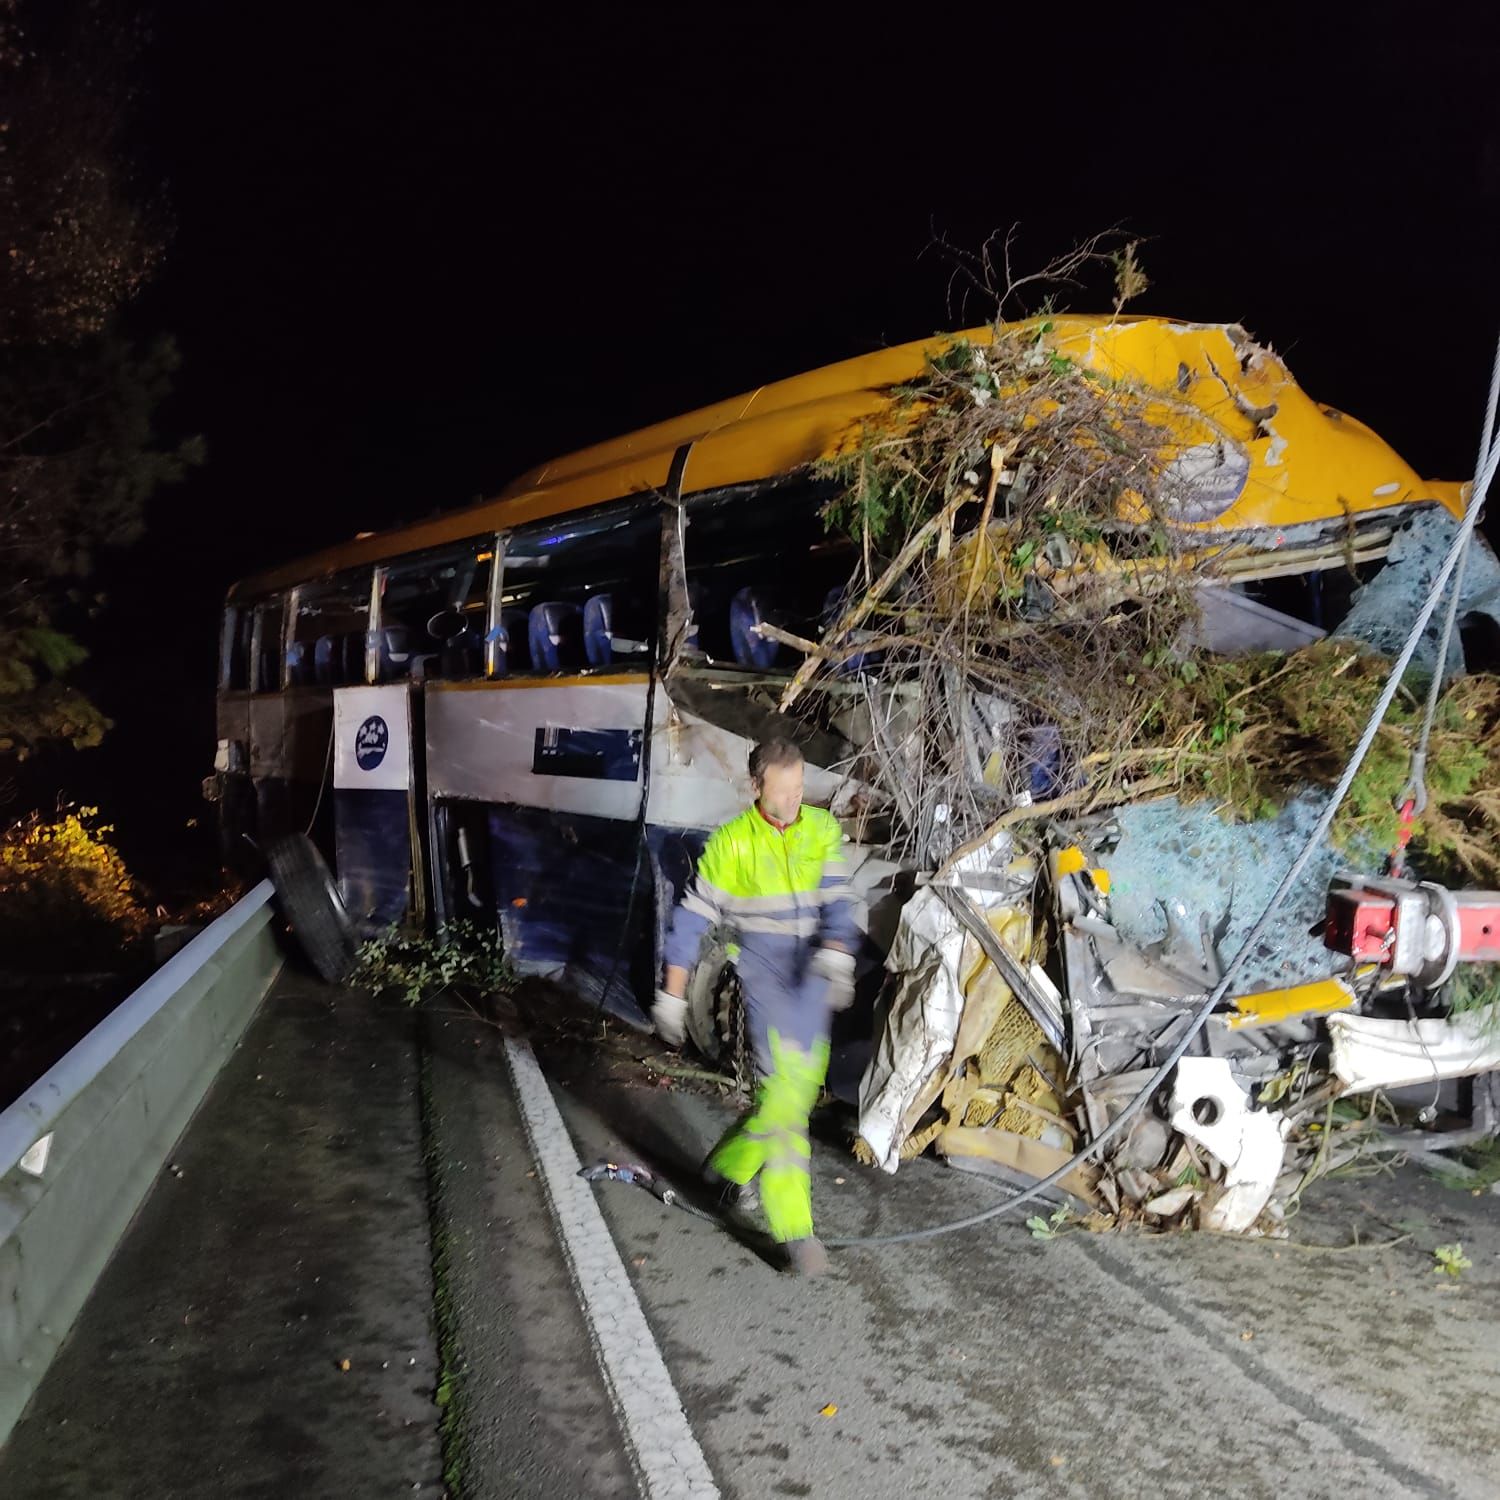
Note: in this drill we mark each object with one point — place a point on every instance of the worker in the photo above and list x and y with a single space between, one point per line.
775 875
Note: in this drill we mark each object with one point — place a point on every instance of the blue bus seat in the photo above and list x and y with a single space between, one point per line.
750 607
555 632
298 664
598 630
328 660
394 653
834 605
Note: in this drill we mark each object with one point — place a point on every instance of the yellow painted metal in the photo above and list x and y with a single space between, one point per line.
1308 462
1319 998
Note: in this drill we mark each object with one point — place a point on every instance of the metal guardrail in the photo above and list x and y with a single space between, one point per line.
80 1149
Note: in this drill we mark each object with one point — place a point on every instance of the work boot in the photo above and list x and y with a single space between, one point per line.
806 1257
742 1197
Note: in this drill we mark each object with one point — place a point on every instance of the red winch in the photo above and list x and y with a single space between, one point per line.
1411 927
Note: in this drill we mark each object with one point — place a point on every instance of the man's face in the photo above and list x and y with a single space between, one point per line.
781 792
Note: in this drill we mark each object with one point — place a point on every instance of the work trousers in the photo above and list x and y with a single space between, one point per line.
788 1026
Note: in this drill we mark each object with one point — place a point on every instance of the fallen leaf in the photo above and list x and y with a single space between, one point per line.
1057 1460
343 1364
829 1411
839 1180
1247 1335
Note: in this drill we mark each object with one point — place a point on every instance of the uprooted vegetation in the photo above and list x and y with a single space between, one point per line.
1029 574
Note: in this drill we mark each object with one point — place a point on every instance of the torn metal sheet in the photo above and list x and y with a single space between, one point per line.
1371 1052
1209 1107
927 1003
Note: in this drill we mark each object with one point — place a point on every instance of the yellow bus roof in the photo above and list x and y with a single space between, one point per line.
1308 462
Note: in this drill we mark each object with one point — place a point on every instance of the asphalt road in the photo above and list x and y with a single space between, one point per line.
991 1364
295 1235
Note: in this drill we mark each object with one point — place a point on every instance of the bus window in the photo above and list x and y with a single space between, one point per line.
327 646
581 592
432 614
266 643
765 555
234 664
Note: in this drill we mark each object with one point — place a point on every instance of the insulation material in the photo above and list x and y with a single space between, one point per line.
1370 1052
930 1022
1015 1158
1015 1065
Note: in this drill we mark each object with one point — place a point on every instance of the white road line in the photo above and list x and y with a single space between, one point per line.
667 1459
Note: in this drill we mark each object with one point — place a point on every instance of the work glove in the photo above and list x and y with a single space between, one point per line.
836 969
669 1016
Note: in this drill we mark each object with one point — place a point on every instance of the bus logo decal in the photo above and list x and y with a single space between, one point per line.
371 743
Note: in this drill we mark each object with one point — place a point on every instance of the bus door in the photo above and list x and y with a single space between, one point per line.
375 791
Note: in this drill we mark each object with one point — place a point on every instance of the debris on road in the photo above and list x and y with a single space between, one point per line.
1108 667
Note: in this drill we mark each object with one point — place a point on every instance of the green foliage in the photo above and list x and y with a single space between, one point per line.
463 960
1451 1260
1250 731
67 901
78 454
1478 1168
36 705
1050 1227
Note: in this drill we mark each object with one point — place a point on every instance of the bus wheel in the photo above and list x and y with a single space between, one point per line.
311 904
716 1014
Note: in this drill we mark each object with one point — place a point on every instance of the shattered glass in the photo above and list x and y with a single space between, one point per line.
1181 877
1384 609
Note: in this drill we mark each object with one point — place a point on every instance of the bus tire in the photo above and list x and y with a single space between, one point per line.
716 1011
311 904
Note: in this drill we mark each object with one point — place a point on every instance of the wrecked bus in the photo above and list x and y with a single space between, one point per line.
533 711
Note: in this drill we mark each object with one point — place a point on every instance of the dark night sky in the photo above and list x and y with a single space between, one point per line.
417 252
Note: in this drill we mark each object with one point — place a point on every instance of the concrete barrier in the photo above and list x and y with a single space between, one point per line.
81 1148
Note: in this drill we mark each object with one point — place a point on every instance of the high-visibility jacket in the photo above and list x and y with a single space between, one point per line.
782 891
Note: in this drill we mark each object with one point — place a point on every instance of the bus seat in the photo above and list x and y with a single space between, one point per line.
298 665
516 641
461 657
834 605
751 607
555 632
598 630
328 660
395 653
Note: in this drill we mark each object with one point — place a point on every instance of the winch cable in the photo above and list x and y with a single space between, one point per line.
1490 458
1413 800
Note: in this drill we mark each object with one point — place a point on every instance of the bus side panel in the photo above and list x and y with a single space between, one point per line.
288 734
569 747
373 780
700 771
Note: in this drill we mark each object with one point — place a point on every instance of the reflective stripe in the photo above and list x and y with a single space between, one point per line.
799 927
791 901
695 903
710 892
